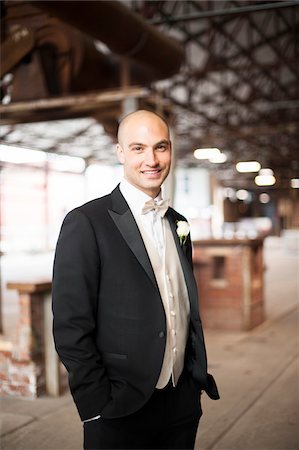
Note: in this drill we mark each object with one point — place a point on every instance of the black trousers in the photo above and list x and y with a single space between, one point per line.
169 420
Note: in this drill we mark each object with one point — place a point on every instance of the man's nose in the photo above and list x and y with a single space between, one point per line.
151 158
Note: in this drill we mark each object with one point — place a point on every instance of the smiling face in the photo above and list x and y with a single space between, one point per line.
144 149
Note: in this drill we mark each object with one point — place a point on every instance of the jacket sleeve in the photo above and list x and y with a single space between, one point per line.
76 278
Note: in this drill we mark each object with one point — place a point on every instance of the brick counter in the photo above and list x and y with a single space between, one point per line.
229 275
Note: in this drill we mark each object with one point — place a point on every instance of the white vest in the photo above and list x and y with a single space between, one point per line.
174 294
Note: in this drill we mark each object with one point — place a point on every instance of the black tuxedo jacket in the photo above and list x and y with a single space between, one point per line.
109 320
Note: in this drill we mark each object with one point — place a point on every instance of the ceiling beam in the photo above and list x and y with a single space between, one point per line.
226 12
67 106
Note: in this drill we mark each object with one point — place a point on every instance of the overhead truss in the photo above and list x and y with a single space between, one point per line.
239 86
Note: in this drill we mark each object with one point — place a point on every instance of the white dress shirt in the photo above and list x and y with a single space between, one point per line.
151 222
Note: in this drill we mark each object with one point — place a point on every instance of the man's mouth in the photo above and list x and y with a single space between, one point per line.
151 172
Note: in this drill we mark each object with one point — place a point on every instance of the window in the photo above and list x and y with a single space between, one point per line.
218 267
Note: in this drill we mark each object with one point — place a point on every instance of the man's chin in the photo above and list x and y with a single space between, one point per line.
153 184
155 179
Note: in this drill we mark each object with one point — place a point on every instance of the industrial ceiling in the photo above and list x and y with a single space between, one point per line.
225 73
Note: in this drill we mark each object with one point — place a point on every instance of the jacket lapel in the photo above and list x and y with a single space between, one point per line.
125 222
187 269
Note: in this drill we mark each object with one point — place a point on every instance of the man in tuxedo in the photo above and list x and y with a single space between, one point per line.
126 320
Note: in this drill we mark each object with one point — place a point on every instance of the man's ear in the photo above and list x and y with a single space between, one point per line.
120 154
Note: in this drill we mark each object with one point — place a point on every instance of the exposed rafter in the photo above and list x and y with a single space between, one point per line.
238 87
240 78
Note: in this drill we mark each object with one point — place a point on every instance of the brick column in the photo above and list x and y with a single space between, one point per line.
32 368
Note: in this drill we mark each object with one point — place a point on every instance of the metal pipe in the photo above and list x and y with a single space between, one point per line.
124 32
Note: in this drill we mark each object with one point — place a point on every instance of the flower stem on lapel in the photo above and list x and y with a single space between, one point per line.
183 229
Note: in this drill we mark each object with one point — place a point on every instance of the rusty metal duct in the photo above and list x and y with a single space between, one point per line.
59 58
124 32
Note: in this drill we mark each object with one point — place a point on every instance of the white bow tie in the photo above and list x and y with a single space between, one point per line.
159 207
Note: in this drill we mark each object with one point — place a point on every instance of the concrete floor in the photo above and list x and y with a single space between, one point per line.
257 373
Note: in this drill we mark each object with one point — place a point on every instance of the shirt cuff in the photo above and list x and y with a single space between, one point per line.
93 418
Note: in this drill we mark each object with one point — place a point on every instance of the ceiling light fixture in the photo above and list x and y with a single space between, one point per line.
295 183
218 159
229 192
206 153
267 172
264 198
265 178
248 166
242 194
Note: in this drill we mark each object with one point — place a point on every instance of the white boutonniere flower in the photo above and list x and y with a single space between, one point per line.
183 229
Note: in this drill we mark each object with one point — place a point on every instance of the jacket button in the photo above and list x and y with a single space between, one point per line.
161 334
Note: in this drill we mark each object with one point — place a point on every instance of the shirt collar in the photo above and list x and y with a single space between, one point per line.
135 197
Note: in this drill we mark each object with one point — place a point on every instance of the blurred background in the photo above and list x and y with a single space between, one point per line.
225 75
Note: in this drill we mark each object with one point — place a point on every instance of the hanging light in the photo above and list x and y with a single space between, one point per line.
206 153
242 194
230 193
218 159
267 172
265 178
295 183
248 166
264 198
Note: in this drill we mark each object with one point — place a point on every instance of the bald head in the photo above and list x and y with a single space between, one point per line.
144 149
137 117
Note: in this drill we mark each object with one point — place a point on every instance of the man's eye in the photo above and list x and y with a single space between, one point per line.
137 149
161 147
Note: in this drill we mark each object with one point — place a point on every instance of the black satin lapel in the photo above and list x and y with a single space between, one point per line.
187 269
127 226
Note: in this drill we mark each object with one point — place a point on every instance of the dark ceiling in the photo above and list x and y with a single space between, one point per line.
237 87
